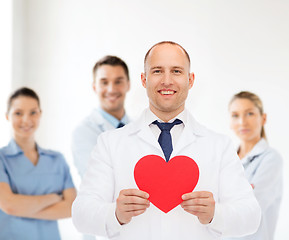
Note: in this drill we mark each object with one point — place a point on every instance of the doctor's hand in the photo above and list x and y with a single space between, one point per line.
200 204
130 203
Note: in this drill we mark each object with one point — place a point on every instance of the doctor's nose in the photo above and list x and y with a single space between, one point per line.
26 118
242 120
167 79
111 88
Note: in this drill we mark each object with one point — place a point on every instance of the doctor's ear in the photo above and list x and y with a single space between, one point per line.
94 87
191 79
143 79
264 117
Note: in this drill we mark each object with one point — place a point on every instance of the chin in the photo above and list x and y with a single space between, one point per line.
246 138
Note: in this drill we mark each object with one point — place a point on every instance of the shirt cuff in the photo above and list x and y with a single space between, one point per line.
113 227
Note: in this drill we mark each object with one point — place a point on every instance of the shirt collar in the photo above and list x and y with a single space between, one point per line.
151 117
13 149
258 149
147 117
111 119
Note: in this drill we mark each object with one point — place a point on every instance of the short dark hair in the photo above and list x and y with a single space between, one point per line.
166 42
112 61
24 91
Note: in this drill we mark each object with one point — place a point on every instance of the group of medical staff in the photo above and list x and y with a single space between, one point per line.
36 188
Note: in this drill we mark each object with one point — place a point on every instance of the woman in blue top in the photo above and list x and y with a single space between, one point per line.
36 188
262 164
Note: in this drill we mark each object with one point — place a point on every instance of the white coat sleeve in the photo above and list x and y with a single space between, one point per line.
93 211
84 140
237 212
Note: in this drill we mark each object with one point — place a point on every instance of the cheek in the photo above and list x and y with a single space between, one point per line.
101 92
256 123
259 126
36 120
233 124
15 121
123 89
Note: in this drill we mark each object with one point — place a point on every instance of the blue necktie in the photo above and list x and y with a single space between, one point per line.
165 138
120 125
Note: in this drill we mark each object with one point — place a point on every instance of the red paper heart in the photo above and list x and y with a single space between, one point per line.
166 182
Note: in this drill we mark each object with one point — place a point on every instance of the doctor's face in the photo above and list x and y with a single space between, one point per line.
167 79
246 120
111 85
24 115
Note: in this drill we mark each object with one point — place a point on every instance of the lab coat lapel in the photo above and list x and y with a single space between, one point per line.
192 131
100 122
142 130
146 134
187 137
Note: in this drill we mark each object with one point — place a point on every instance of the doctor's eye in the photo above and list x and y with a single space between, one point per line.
176 71
33 112
18 113
156 71
103 83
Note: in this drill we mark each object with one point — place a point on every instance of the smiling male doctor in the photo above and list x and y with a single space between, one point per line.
109 202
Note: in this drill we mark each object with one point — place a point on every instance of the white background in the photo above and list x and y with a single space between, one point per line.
234 45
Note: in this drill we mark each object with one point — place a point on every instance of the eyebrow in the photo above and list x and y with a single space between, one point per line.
178 67
117 78
250 109
246 110
156 67
20 109
173 67
120 78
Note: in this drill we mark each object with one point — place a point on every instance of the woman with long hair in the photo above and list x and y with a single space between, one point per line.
262 164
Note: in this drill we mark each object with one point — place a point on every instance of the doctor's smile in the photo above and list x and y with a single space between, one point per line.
167 92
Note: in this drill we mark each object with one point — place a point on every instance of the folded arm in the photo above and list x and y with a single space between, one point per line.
61 209
24 205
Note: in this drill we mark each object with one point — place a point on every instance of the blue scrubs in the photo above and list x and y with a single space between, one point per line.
50 175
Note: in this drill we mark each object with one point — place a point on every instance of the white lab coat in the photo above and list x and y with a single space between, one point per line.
263 168
84 138
111 169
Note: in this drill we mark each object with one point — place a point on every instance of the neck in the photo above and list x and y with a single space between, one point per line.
247 146
26 144
166 116
117 114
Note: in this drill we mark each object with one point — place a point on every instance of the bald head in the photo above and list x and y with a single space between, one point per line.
162 43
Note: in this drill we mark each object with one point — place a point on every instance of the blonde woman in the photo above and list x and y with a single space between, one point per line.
36 188
262 164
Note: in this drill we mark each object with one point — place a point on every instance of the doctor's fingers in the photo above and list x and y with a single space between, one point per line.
197 194
197 209
204 217
131 200
133 207
209 201
134 192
